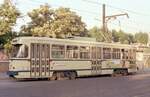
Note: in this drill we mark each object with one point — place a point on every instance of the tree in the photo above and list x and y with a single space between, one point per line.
6 38
131 38
67 23
95 32
54 23
40 22
141 37
122 37
8 17
115 36
8 48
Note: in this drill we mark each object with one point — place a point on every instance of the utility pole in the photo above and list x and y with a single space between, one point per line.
107 36
103 18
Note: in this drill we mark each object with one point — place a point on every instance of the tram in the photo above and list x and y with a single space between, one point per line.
43 57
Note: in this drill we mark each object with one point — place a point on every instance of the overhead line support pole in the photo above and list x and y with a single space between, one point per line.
103 18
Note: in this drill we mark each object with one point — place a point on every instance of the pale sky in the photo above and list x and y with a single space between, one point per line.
91 13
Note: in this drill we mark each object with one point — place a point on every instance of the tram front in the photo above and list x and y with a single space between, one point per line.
19 61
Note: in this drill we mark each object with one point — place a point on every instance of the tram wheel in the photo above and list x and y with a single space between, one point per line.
120 72
125 72
54 77
60 75
72 75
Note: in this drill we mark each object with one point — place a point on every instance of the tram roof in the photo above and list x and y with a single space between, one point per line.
64 41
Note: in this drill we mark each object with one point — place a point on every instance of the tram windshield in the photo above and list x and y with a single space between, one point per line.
19 51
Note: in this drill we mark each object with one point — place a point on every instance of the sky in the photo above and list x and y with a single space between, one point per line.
91 12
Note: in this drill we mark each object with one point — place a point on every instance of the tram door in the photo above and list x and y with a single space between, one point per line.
95 63
40 56
96 67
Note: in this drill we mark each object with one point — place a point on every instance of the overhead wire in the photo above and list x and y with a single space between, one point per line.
123 9
79 10
85 11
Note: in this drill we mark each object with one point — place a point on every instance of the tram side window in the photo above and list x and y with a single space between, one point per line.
37 50
45 50
98 52
58 51
34 51
132 54
48 51
84 52
125 53
26 52
116 53
93 52
106 53
72 51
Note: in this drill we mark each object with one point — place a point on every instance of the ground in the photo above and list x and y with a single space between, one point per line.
137 85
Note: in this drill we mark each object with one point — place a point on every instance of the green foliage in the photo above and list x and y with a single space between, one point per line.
127 38
119 36
59 23
67 23
122 37
141 37
5 41
5 38
115 36
8 48
40 22
54 23
8 17
95 32
131 38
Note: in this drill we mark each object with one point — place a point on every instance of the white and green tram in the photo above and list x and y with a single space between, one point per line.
42 57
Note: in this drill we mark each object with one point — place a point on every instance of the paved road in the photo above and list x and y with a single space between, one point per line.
3 76
128 86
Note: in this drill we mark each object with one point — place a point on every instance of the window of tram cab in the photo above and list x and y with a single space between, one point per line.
58 51
19 51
